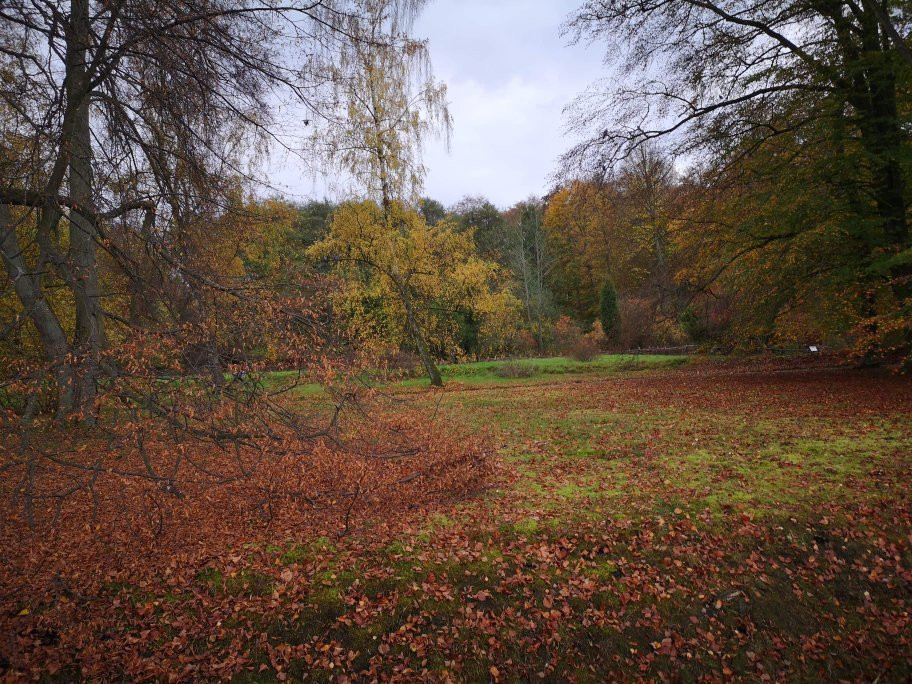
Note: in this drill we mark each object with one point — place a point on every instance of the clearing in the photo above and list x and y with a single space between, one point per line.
701 521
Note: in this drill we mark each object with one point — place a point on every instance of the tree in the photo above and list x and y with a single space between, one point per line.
748 81
432 211
386 104
123 123
787 261
130 248
405 281
389 102
491 231
313 222
618 228
530 258
609 314
646 181
588 237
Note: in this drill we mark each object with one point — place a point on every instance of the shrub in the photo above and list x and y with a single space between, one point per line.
512 369
637 319
526 344
609 313
566 335
597 336
571 341
583 349
402 363
707 319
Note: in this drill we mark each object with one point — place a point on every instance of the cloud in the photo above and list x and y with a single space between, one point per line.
505 141
509 75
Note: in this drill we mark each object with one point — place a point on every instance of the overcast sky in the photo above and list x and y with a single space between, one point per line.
509 74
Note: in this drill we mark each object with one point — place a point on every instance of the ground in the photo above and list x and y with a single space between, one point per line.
646 519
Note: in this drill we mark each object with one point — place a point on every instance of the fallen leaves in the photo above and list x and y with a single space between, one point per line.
643 580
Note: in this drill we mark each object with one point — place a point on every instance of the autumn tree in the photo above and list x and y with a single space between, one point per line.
531 259
388 103
486 220
646 181
823 83
585 230
123 125
618 227
783 261
399 274
132 252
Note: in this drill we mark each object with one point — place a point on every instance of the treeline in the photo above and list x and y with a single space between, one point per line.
640 258
792 219
757 195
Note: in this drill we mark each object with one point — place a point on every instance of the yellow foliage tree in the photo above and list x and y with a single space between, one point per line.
405 281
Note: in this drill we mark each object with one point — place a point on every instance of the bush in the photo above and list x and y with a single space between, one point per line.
402 363
571 341
583 349
511 369
597 336
566 335
637 318
526 344
609 313
707 319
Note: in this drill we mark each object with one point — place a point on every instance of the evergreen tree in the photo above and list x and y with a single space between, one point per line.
608 311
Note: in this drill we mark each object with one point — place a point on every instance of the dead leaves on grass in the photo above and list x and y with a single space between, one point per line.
647 583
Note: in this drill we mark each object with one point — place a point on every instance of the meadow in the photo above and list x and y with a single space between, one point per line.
671 519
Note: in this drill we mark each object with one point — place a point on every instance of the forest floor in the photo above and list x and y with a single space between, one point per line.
705 522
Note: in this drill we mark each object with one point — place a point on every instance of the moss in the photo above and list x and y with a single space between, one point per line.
604 572
527 526
295 554
249 583
244 582
573 490
439 521
211 577
299 553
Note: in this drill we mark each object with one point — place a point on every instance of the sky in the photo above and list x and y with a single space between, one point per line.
509 75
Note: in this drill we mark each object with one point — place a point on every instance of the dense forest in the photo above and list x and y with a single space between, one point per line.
196 368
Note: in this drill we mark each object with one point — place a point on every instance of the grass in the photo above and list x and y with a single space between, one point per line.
645 525
489 372
486 372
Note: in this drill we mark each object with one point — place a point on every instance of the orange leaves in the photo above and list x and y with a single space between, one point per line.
104 582
551 576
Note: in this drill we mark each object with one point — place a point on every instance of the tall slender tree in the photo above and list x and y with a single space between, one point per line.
388 103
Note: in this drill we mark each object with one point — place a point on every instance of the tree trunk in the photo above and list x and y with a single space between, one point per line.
415 331
53 339
89 334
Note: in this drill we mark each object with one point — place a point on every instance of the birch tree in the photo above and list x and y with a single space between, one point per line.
123 123
386 103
